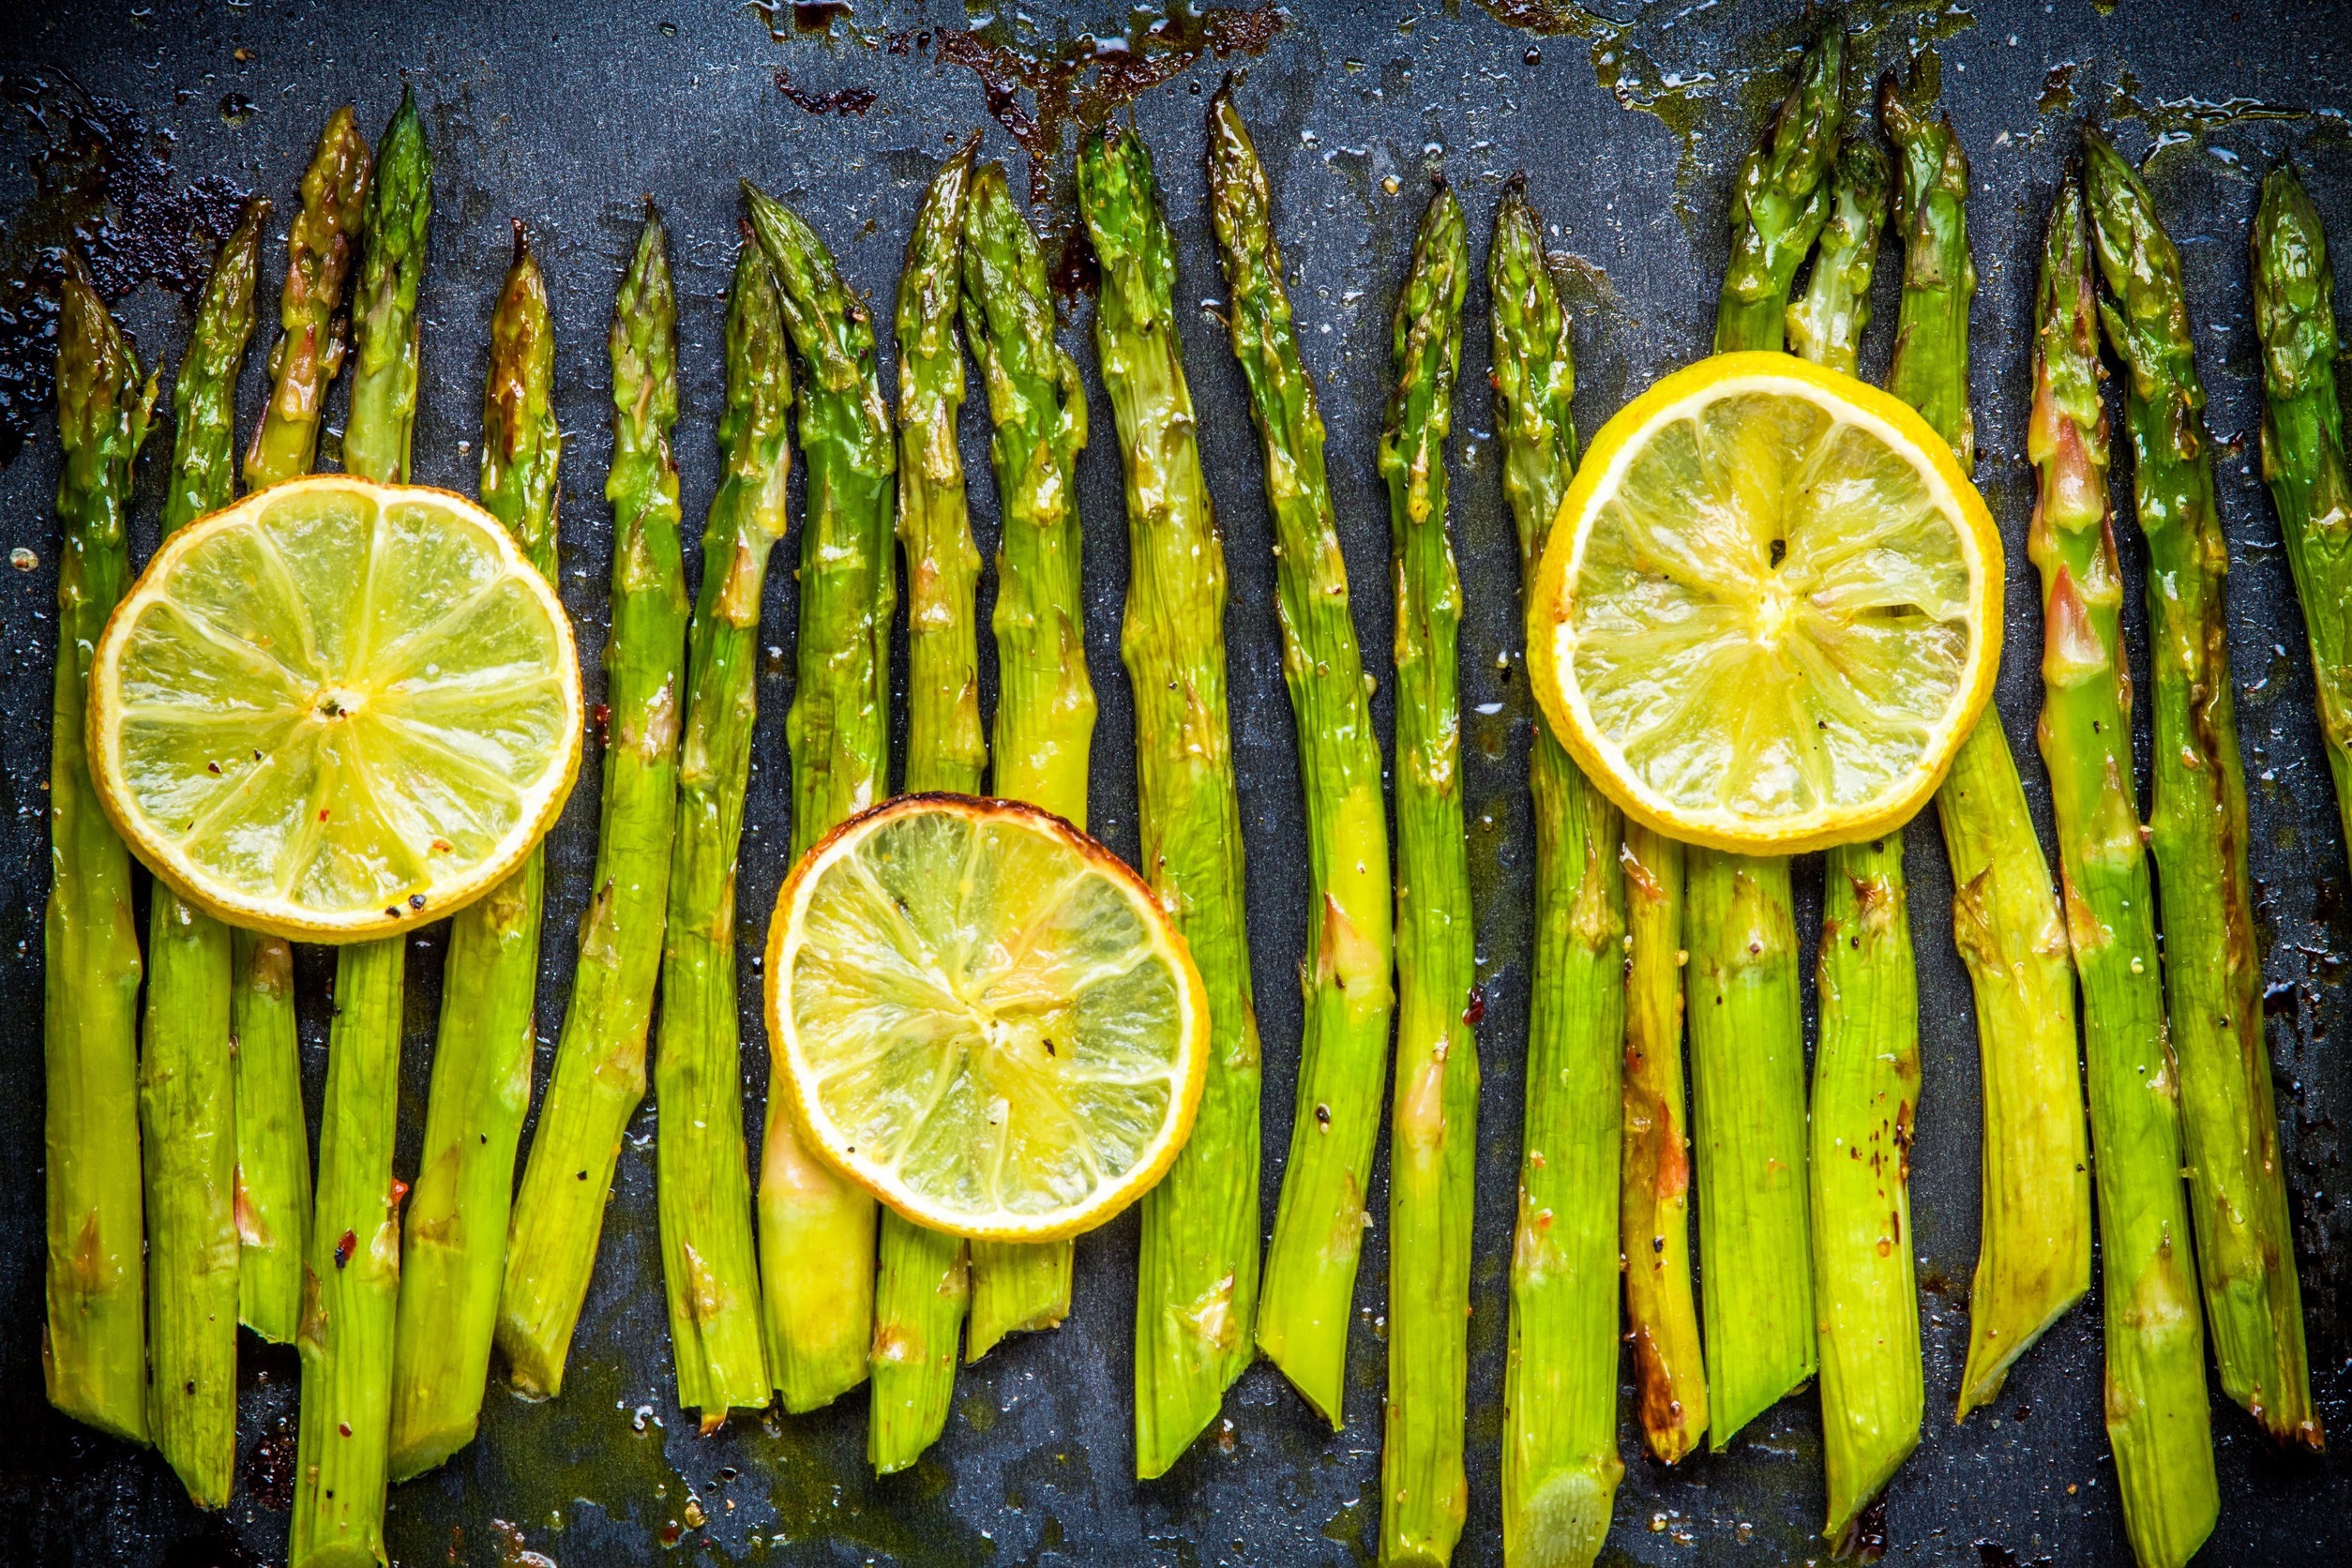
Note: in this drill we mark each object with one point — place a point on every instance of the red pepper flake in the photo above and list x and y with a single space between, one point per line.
399 1192
601 717
1474 1013
321 813
343 1249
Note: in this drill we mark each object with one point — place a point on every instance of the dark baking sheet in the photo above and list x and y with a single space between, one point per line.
563 116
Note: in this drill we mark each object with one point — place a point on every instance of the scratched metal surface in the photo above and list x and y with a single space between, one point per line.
547 113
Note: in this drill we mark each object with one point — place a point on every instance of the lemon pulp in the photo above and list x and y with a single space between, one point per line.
1775 615
338 708
984 1016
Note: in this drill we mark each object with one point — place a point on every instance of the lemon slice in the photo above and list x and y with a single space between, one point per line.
1769 609
983 1017
335 710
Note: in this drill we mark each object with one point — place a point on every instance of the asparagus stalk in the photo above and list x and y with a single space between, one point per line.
273 1131
1560 1468
2033 1259
1310 1281
1045 704
187 1104
1780 200
351 1302
2303 446
320 247
94 1354
1196 1290
1746 1023
274 1187
454 1253
353 1280
707 1255
2245 1242
1433 1146
2155 1404
599 1074
385 328
1655 1185
924 1285
1866 1064
816 1230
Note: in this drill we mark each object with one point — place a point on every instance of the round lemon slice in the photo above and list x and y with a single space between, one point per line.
983 1017
335 710
1769 609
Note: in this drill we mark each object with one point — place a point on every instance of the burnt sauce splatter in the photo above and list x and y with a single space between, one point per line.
102 186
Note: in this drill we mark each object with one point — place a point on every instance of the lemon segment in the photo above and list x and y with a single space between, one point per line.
1769 609
983 1017
336 710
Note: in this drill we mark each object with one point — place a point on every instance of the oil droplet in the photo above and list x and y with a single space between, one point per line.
22 559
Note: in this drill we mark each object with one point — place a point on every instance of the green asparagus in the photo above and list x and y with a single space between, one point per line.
2033 1258
186 1101
1866 1062
2245 1241
2303 446
273 1168
924 1285
1196 1290
599 1074
454 1251
386 327
1560 1466
94 1354
708 1262
1433 1147
1310 1281
1746 1023
353 1280
816 1230
1780 199
2155 1404
1045 704
275 1193
320 248
351 1302
1654 1186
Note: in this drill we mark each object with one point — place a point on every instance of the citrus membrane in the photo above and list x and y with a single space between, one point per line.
983 1017
335 710
1768 611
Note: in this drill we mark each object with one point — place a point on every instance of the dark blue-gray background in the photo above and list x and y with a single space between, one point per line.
565 116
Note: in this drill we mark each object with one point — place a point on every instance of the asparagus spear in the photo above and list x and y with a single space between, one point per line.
454 1253
1746 1024
94 1352
816 1230
1867 1065
2155 1403
708 1262
2033 1259
1780 200
353 1278
273 1185
187 1104
1045 704
1197 1293
385 324
1655 1185
273 1153
2245 1242
1560 1468
924 1286
599 1074
2302 446
1309 1294
1433 1147
320 246
350 1301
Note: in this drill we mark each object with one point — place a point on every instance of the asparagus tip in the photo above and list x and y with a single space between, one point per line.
1516 185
